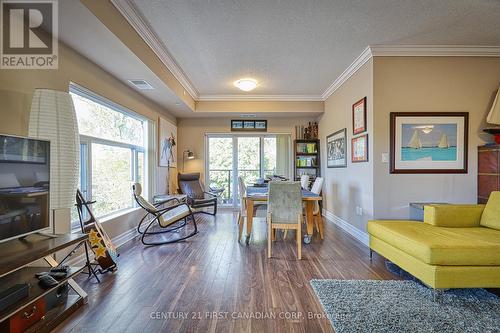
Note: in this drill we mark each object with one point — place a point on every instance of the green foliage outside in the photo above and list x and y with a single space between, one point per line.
221 162
102 122
111 165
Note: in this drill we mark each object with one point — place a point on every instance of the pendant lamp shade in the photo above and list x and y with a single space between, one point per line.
53 118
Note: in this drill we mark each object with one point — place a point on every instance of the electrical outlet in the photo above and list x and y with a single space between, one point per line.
359 211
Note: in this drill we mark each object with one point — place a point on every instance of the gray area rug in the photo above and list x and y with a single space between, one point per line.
405 306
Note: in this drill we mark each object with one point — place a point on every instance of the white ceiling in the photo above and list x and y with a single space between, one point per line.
298 47
82 31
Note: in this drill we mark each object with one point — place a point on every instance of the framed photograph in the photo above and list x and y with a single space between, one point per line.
249 125
359 116
336 152
359 149
261 125
429 142
167 143
236 124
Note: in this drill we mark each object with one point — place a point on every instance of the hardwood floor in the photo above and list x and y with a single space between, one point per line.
212 283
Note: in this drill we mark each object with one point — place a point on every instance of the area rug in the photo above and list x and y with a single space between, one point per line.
405 306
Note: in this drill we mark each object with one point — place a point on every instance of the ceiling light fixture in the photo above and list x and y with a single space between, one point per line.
246 84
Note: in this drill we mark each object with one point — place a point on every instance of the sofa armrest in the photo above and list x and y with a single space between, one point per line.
458 216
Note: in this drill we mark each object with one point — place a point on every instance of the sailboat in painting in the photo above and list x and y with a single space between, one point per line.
415 141
443 143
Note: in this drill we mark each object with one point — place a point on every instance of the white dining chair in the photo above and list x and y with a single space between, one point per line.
304 182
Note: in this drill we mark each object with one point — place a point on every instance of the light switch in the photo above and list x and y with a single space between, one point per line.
385 157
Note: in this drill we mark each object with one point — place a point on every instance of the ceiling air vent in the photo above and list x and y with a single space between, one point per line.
248 115
141 84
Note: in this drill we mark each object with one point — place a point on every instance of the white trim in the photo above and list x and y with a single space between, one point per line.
353 68
125 237
118 241
132 15
359 235
434 51
243 98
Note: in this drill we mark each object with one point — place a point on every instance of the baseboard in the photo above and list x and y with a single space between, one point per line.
359 235
118 241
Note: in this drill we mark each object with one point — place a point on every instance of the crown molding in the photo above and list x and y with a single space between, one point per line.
348 72
434 51
409 51
248 98
136 20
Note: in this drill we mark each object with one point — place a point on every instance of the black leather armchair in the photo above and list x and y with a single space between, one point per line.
191 185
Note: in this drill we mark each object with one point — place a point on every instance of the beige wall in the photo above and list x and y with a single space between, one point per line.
191 135
404 84
347 188
429 84
260 106
16 90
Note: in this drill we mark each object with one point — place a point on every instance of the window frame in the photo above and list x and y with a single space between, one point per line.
86 141
235 166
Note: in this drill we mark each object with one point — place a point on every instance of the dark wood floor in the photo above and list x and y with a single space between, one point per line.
155 287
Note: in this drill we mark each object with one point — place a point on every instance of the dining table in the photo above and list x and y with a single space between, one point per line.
260 194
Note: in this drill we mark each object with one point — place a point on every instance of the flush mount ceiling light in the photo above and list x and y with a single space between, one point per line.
246 84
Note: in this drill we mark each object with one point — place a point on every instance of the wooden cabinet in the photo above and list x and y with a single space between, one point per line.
488 178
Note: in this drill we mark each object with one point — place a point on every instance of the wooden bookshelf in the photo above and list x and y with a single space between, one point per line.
307 159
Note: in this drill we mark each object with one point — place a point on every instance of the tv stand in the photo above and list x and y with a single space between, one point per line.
20 262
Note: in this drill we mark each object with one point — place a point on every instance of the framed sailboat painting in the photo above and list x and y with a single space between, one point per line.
429 142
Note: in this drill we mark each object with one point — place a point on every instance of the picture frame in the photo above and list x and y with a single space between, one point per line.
359 149
336 149
239 125
359 116
429 142
167 143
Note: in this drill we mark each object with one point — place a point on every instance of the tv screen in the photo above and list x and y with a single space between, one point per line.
24 186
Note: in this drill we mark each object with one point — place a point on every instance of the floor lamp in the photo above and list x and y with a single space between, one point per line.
53 118
186 153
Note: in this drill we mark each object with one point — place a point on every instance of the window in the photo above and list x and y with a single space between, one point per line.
247 156
113 150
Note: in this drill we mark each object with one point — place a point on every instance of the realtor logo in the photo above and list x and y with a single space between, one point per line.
29 34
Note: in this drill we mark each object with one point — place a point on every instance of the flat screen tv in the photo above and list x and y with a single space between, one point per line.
24 186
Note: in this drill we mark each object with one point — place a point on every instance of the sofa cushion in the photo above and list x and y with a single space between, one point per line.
491 213
440 245
453 215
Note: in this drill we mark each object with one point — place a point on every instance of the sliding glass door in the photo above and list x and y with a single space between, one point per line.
247 156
